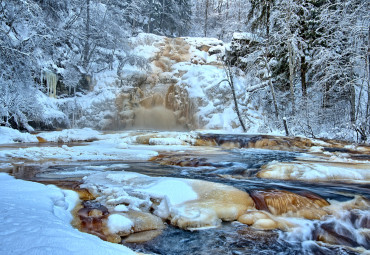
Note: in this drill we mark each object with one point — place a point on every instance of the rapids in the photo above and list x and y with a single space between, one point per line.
304 196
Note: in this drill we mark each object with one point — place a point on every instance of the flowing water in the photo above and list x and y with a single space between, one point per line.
236 160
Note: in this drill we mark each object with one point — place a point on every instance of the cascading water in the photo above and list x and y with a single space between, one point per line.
157 118
161 87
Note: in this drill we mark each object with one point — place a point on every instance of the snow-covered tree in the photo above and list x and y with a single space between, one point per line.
164 17
219 18
339 61
317 46
19 40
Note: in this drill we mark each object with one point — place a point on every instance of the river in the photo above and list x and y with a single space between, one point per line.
275 171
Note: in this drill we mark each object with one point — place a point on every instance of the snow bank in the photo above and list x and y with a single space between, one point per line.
116 146
98 150
70 135
185 203
36 220
9 135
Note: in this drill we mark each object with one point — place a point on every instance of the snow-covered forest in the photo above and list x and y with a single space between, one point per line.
72 63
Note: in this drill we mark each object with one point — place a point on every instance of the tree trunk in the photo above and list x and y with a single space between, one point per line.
274 98
286 126
150 16
291 76
231 83
265 59
353 104
206 19
236 103
149 22
162 14
303 76
227 10
268 9
86 51
239 12
368 77
271 87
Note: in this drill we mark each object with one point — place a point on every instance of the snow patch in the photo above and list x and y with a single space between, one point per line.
9 135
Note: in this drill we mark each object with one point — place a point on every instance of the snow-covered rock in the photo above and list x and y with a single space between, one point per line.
323 171
188 204
118 223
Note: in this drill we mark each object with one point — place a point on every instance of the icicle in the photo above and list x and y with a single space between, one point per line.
51 83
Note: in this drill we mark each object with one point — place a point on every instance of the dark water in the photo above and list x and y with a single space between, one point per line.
241 164
230 239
